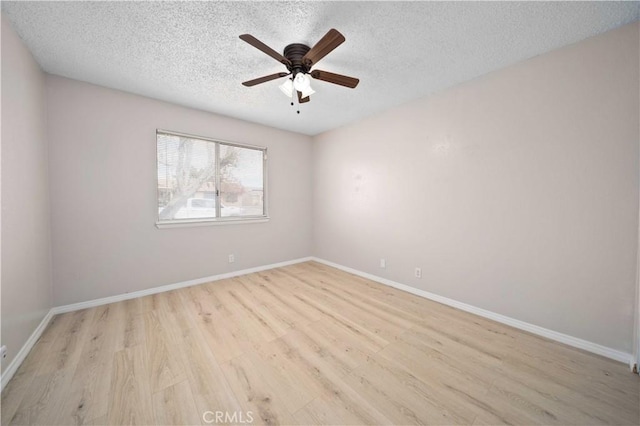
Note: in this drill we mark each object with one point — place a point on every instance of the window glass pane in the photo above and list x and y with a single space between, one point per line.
241 181
186 178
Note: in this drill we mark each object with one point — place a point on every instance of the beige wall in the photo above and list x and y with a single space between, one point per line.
516 192
104 207
26 243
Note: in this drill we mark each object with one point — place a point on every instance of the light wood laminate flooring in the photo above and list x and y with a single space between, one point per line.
307 344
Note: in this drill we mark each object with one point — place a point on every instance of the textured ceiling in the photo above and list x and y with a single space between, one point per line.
189 53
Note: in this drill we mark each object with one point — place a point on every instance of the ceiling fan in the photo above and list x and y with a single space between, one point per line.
299 59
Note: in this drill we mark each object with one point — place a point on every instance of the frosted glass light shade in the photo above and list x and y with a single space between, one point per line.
287 87
301 82
307 92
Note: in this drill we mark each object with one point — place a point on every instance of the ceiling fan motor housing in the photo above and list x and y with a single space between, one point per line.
295 52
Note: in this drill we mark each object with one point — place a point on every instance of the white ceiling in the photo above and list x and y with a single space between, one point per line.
189 53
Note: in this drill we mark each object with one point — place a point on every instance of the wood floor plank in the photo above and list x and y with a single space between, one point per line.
279 291
89 390
16 390
454 384
131 322
341 405
330 411
284 313
347 323
41 351
254 393
579 391
98 421
251 322
164 363
365 316
363 286
130 396
332 352
65 350
296 359
267 325
14 393
42 403
432 350
354 346
546 406
209 386
279 367
175 405
307 344
171 303
217 323
330 289
404 398
460 375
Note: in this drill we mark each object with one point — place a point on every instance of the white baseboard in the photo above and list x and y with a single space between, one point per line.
531 328
541 331
154 290
24 350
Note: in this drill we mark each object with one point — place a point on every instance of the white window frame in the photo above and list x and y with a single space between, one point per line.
230 220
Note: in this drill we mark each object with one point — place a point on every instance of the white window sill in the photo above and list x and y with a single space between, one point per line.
215 222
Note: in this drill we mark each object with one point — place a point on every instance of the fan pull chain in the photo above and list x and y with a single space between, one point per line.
298 111
296 96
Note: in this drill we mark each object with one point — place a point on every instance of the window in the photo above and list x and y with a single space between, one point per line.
203 180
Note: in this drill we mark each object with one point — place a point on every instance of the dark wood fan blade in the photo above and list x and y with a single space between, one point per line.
330 41
264 79
340 79
264 48
302 100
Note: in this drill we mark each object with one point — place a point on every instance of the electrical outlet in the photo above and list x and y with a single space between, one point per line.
3 351
232 258
383 263
418 273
